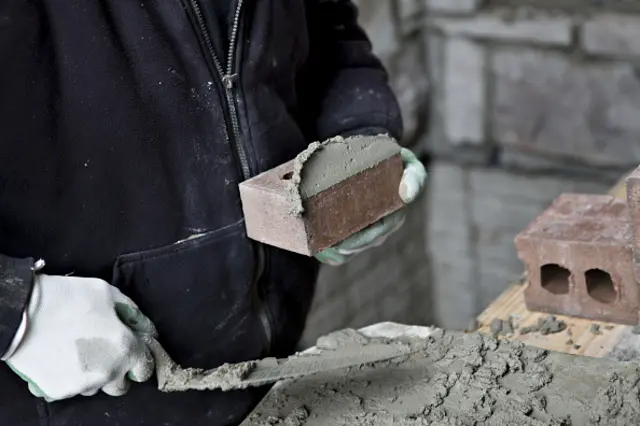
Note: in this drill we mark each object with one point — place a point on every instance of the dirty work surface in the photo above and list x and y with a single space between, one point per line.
459 379
578 338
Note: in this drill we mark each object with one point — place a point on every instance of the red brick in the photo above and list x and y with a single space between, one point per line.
590 236
633 204
329 217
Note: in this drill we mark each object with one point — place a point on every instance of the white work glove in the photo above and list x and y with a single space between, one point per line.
75 341
411 185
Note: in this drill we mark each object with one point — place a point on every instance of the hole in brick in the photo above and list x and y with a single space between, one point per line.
287 176
555 279
600 286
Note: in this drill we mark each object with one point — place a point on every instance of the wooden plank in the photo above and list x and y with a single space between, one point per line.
619 189
583 340
614 341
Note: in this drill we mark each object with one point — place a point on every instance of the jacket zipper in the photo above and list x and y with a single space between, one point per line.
228 78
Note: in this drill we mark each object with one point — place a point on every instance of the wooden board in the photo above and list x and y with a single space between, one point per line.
511 303
619 190
616 341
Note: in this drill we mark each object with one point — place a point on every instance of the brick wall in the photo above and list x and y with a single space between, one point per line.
514 105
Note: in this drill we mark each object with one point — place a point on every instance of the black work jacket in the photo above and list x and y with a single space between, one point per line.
125 128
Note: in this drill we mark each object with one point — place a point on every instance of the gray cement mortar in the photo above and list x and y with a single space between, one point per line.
324 164
459 379
501 327
173 378
544 326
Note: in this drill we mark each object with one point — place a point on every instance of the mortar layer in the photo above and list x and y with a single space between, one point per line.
458 379
325 164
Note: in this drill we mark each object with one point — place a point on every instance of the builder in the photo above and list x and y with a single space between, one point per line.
125 128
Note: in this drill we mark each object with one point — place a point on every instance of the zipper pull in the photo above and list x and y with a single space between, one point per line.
229 80
38 265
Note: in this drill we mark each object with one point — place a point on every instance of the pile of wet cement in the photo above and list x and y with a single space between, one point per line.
544 326
459 379
547 325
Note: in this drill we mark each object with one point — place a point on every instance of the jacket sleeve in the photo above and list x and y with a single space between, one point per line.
16 283
344 88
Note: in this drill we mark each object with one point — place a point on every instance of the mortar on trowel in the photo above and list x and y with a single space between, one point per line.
173 378
330 191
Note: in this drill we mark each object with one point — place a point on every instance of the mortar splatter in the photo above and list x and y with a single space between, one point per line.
544 326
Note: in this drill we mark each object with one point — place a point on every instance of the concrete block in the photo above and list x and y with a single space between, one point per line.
449 247
410 15
361 292
434 138
464 92
453 6
539 29
377 18
523 160
410 84
330 216
535 191
550 104
579 262
496 250
395 304
492 281
612 34
330 284
326 317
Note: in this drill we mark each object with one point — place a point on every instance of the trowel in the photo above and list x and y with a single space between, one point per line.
173 378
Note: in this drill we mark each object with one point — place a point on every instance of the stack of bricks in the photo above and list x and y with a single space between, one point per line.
582 256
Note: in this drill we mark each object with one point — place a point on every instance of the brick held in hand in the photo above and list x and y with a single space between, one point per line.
350 203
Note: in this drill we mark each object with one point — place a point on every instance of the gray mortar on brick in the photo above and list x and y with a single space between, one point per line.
325 164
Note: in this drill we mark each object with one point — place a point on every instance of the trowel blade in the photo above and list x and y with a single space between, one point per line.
173 378
271 370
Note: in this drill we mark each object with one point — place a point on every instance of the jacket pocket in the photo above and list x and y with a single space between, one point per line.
200 295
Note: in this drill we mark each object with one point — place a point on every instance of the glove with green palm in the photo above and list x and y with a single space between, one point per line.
78 338
411 185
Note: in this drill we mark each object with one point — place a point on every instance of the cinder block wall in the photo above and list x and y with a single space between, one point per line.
514 105
527 103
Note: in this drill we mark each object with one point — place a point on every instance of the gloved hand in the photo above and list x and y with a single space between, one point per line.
413 180
76 341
